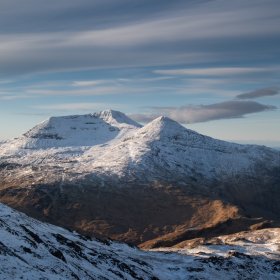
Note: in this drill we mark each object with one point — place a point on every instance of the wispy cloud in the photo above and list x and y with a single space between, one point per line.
106 90
204 113
89 106
3 82
12 95
118 81
259 93
216 71
67 38
216 22
89 83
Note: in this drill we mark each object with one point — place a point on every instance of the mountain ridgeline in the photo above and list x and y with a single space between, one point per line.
103 174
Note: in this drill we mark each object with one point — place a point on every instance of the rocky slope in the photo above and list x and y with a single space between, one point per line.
31 250
160 184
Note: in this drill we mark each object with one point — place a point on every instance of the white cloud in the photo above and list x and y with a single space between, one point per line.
203 113
216 71
192 34
83 106
259 93
79 91
89 83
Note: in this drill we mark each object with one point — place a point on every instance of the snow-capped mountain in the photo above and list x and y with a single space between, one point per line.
165 148
110 143
33 250
77 130
105 174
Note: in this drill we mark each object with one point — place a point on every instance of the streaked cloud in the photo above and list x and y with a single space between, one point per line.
88 83
216 71
203 113
259 93
106 90
12 95
67 38
83 106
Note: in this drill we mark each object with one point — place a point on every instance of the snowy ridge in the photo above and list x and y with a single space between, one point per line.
76 130
165 147
31 250
109 143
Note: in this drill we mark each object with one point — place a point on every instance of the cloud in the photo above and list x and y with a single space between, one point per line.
204 113
76 106
89 83
12 95
78 15
88 91
217 71
259 93
117 81
70 36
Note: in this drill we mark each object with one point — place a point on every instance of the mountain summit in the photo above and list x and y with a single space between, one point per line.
77 130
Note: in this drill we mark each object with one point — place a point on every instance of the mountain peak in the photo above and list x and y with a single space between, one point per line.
113 116
79 130
165 120
164 126
162 119
110 112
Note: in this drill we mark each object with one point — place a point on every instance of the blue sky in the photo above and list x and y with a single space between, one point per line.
212 65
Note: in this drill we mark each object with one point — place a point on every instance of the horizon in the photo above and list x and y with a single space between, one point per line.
213 66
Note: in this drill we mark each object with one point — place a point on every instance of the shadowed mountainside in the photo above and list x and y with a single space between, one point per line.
30 249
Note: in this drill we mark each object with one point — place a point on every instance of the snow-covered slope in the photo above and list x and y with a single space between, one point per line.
164 148
110 143
31 250
77 130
